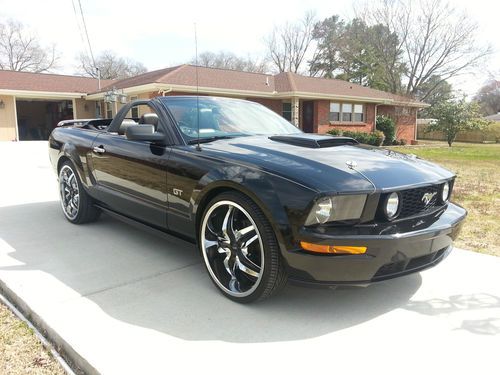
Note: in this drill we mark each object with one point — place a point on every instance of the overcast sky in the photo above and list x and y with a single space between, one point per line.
159 33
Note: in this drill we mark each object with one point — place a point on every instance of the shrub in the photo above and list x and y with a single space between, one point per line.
375 139
388 127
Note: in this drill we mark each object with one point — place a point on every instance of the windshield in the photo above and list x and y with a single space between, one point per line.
223 117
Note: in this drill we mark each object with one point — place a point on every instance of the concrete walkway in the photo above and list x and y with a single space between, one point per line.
122 301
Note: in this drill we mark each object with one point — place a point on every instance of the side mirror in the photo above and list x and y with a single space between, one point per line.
144 133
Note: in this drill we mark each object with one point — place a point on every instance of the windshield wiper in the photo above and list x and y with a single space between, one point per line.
208 139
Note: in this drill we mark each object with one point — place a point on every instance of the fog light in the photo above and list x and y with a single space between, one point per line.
445 192
328 249
392 206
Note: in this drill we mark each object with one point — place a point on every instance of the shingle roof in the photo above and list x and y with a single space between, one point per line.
208 78
185 75
25 81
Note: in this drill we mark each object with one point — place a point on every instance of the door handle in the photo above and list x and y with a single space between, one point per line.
99 149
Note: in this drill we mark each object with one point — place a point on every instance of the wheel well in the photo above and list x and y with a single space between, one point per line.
60 162
206 199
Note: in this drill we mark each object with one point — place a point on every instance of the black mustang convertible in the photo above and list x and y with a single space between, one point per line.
264 202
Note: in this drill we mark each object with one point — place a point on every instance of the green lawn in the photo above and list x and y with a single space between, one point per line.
477 188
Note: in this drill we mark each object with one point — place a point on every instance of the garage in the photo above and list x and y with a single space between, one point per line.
36 118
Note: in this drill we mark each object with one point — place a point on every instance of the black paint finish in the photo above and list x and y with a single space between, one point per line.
167 184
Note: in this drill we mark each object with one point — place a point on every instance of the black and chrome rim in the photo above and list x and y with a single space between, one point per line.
70 194
232 248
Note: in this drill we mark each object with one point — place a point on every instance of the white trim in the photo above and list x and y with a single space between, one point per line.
261 94
42 94
75 116
15 118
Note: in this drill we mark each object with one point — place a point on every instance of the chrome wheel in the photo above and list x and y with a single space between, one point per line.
232 248
70 194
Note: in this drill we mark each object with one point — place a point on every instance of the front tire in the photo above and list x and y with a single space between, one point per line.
240 249
78 207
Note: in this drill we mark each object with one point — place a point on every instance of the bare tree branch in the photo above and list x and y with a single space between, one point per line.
228 60
288 44
436 39
110 66
21 51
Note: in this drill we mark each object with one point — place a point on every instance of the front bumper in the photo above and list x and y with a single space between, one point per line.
387 256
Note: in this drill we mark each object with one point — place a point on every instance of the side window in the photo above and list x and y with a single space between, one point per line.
140 114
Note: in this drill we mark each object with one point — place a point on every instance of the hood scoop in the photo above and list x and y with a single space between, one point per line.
313 140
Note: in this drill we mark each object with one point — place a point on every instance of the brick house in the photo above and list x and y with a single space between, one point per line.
316 105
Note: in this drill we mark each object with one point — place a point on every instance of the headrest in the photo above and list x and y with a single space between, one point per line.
125 124
149 118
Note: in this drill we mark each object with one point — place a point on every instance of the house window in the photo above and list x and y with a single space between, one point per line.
334 112
358 113
346 112
134 112
287 111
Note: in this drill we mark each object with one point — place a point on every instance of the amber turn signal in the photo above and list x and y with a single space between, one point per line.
328 249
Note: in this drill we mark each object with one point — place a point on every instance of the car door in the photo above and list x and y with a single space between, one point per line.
131 175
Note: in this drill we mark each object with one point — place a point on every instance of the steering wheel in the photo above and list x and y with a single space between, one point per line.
186 129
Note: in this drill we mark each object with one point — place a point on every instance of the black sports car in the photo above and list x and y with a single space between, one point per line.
264 202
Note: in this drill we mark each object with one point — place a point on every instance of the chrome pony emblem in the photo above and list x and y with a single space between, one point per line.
427 197
351 164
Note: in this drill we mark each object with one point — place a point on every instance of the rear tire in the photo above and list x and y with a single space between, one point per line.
78 207
240 250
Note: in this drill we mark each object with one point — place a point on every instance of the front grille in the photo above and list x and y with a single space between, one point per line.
412 200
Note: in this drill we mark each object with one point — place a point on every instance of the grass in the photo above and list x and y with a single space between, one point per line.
477 188
20 350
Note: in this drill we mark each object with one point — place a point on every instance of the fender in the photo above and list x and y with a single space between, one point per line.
269 192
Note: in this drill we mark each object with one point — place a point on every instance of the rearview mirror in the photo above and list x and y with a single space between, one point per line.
144 132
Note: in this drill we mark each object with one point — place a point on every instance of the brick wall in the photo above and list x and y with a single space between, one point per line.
323 125
405 119
273 104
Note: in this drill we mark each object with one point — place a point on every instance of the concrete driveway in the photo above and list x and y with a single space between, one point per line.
123 301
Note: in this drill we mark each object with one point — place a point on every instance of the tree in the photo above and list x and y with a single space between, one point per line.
327 34
435 39
456 116
228 60
488 98
288 44
435 90
110 66
20 50
356 52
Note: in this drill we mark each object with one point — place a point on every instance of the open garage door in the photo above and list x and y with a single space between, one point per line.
37 118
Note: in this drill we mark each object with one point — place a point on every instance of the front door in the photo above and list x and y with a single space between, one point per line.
308 116
132 177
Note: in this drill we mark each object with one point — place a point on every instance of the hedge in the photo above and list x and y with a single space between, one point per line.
375 139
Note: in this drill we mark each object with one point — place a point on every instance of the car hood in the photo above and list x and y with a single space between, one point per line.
326 168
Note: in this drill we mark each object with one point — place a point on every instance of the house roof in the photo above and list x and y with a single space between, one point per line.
56 83
282 84
190 78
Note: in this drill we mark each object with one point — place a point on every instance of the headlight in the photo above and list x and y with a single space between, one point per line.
323 210
445 192
392 206
340 207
